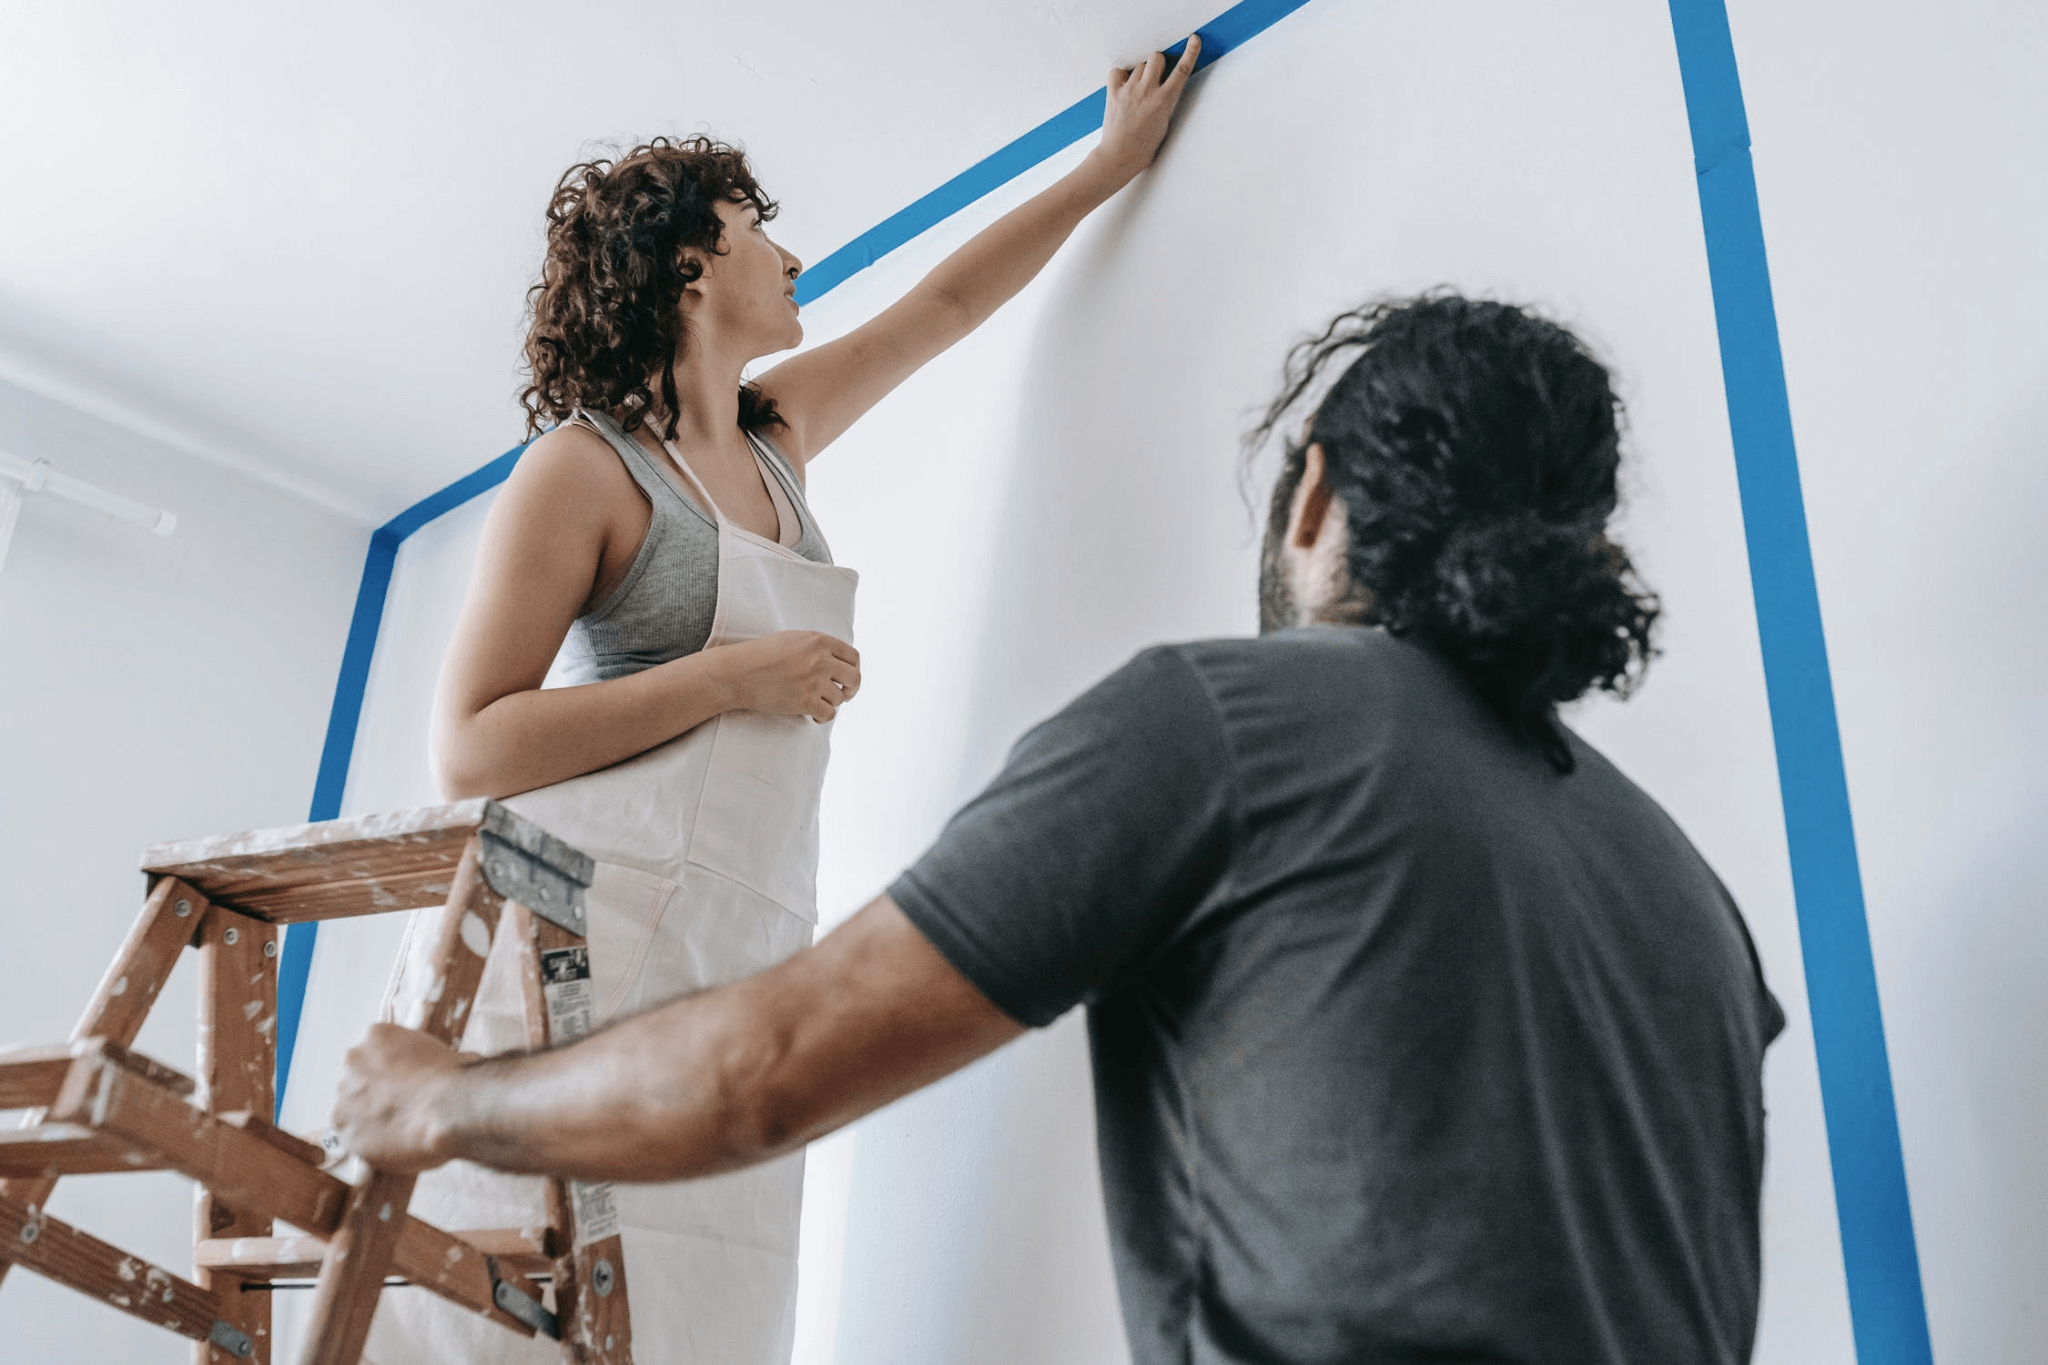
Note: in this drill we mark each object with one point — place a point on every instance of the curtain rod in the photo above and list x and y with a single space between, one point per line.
19 476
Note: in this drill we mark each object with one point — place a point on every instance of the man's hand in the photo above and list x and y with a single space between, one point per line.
390 1108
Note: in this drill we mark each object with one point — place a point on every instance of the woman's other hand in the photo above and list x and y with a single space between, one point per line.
1141 104
789 673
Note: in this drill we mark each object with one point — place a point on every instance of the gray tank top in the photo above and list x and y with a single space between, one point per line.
663 607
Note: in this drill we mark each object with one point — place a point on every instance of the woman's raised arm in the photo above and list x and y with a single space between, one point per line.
821 392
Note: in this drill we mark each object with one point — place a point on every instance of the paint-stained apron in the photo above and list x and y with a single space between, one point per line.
707 857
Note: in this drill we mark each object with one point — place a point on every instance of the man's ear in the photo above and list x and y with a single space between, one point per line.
1312 498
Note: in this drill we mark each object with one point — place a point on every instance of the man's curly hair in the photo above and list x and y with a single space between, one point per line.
606 313
1474 446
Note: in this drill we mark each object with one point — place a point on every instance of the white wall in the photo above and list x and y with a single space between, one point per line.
1541 156
1904 181
150 688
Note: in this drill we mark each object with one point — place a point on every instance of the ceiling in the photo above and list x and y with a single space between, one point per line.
297 240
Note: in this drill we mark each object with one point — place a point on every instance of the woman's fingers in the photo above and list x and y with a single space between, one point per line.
1151 74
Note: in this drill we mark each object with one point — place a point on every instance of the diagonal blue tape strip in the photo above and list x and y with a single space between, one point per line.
1879 1255
1220 36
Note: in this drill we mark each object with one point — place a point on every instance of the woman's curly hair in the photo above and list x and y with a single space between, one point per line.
1475 446
606 313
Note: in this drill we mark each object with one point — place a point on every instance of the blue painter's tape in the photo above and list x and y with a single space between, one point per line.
295 963
1879 1254
1221 35
437 505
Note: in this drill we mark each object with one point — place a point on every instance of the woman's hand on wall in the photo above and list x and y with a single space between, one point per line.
789 673
1141 104
823 390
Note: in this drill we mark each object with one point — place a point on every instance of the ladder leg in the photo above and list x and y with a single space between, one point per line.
352 1276
100 1271
237 1071
170 917
590 1275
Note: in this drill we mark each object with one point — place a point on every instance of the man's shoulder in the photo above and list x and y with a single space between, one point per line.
1361 659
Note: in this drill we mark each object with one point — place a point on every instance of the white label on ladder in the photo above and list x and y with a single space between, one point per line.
572 1005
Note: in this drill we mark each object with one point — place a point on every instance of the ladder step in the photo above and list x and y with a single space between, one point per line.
364 865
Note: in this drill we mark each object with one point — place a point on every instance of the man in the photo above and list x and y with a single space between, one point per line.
1419 1032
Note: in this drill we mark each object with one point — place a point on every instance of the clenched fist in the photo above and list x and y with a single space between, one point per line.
791 673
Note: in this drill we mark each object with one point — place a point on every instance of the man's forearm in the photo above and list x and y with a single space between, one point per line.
709 1083
679 1091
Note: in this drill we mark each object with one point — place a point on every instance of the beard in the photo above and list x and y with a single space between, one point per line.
1277 607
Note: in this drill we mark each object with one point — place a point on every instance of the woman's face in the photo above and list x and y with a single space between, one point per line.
747 296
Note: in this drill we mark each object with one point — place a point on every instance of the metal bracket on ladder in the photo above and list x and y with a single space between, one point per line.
524 863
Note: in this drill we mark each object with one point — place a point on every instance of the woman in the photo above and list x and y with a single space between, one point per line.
656 548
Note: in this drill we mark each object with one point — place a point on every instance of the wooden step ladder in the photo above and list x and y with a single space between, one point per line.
97 1107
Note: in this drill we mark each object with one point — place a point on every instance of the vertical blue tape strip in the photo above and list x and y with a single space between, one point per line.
1222 35
1879 1255
295 964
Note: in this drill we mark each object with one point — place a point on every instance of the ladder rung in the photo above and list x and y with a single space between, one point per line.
29 1076
522 1250
49 1150
252 1172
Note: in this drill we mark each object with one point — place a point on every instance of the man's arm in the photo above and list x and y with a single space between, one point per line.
708 1083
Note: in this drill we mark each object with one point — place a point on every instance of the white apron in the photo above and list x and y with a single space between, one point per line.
707 859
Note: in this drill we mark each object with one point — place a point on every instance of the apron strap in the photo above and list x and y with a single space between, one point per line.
785 509
676 457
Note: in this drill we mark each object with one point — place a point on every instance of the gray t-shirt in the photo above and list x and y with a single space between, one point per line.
1407 1047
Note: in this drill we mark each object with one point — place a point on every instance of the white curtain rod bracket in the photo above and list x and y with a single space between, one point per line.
37 476
19 478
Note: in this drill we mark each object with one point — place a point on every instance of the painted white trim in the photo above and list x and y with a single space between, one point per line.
138 420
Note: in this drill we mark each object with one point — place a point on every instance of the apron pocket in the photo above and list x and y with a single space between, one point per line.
758 821
624 909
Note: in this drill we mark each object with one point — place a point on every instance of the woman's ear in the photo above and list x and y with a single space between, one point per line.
695 265
1312 498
